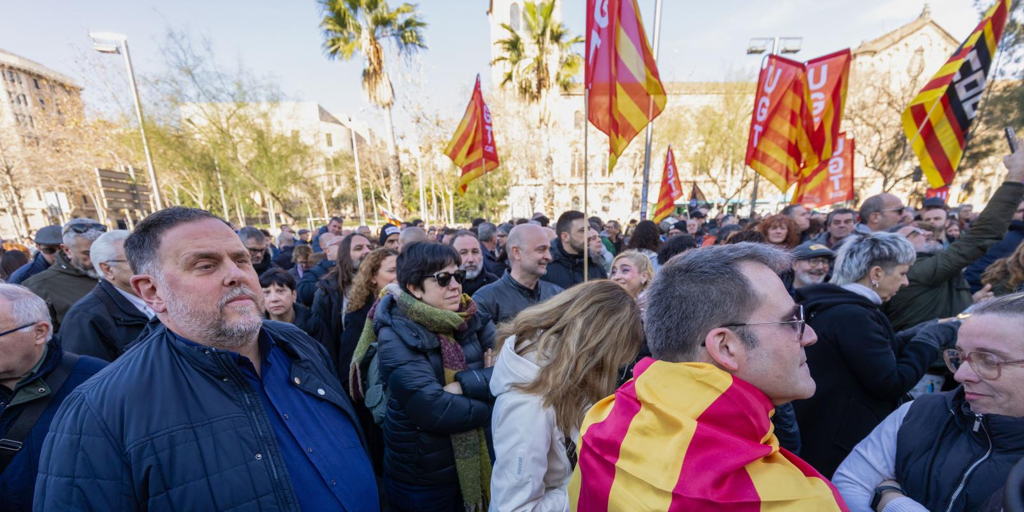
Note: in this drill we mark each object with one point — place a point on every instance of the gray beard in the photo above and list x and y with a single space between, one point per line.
91 272
472 274
212 327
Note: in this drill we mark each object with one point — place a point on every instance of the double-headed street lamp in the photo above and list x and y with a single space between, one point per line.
108 42
757 46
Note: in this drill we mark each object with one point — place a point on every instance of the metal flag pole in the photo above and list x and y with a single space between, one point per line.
650 122
586 183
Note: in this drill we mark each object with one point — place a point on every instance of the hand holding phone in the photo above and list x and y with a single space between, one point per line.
1014 162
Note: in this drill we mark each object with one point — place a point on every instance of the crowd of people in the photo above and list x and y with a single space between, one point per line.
863 360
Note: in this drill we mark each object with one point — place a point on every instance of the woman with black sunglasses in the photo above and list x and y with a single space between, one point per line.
435 360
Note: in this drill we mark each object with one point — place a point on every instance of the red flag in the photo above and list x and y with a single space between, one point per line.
626 91
472 148
941 193
832 180
671 189
827 80
779 145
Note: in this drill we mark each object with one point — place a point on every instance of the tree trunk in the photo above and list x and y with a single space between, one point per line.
20 214
394 166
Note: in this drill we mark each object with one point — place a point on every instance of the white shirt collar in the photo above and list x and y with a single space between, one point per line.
137 302
863 291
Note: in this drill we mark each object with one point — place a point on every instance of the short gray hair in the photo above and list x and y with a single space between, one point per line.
250 233
104 249
1011 305
859 252
70 235
680 309
486 231
26 307
873 204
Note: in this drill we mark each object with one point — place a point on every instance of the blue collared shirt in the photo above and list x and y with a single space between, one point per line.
319 444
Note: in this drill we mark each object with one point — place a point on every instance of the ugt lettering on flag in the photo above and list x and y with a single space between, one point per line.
940 116
626 91
671 189
832 180
472 147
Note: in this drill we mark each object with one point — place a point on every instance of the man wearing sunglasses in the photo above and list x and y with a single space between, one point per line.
36 375
72 275
951 451
47 242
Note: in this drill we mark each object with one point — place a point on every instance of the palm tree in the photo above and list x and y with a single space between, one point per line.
351 26
539 63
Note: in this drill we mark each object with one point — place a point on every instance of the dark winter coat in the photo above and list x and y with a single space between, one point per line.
304 320
421 416
37 265
283 258
942 445
176 426
937 289
566 270
504 299
328 310
862 370
102 324
1013 238
484 278
18 481
306 287
61 286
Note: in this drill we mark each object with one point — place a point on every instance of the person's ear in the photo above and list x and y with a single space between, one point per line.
66 250
105 270
147 289
876 273
415 291
41 330
724 348
295 295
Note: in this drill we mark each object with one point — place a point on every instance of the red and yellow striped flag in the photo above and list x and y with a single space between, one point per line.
781 126
671 189
689 436
626 91
939 117
828 78
472 147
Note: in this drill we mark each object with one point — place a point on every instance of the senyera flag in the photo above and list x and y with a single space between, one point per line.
626 91
828 78
779 145
671 189
472 147
832 180
940 116
390 217
941 193
696 196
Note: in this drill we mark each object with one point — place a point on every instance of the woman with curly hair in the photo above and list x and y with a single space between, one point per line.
781 231
647 240
375 272
1006 275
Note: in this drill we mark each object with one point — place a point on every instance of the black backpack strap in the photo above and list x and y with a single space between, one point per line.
11 444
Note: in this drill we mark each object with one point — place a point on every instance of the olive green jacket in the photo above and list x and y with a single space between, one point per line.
937 288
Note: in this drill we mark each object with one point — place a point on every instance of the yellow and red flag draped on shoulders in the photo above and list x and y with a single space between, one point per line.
940 116
671 189
626 91
472 147
780 144
690 437
828 78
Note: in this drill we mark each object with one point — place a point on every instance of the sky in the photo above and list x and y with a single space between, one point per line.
700 40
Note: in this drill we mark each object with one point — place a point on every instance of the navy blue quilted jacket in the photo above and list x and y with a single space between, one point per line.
171 426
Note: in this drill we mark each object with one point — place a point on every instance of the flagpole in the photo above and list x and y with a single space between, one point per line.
650 123
586 182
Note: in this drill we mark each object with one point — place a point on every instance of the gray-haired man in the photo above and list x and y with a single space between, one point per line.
71 276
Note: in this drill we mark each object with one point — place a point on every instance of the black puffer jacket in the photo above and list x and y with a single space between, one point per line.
566 270
861 367
421 415
327 310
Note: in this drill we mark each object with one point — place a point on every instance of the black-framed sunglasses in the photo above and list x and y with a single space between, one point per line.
30 324
445 278
84 228
801 323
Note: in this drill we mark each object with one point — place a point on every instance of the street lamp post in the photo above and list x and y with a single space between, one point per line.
759 45
109 42
359 178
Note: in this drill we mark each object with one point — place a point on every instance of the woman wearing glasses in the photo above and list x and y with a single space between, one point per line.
862 367
435 358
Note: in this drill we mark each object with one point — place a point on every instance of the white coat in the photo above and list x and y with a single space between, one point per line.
532 470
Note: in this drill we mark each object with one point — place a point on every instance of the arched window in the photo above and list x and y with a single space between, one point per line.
513 16
577 121
576 203
606 204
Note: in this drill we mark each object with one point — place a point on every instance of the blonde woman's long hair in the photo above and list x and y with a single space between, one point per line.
582 337
363 290
642 262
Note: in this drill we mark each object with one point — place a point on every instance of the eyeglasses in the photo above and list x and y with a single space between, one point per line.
84 228
798 323
48 249
818 262
987 366
5 333
254 251
445 278
115 261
